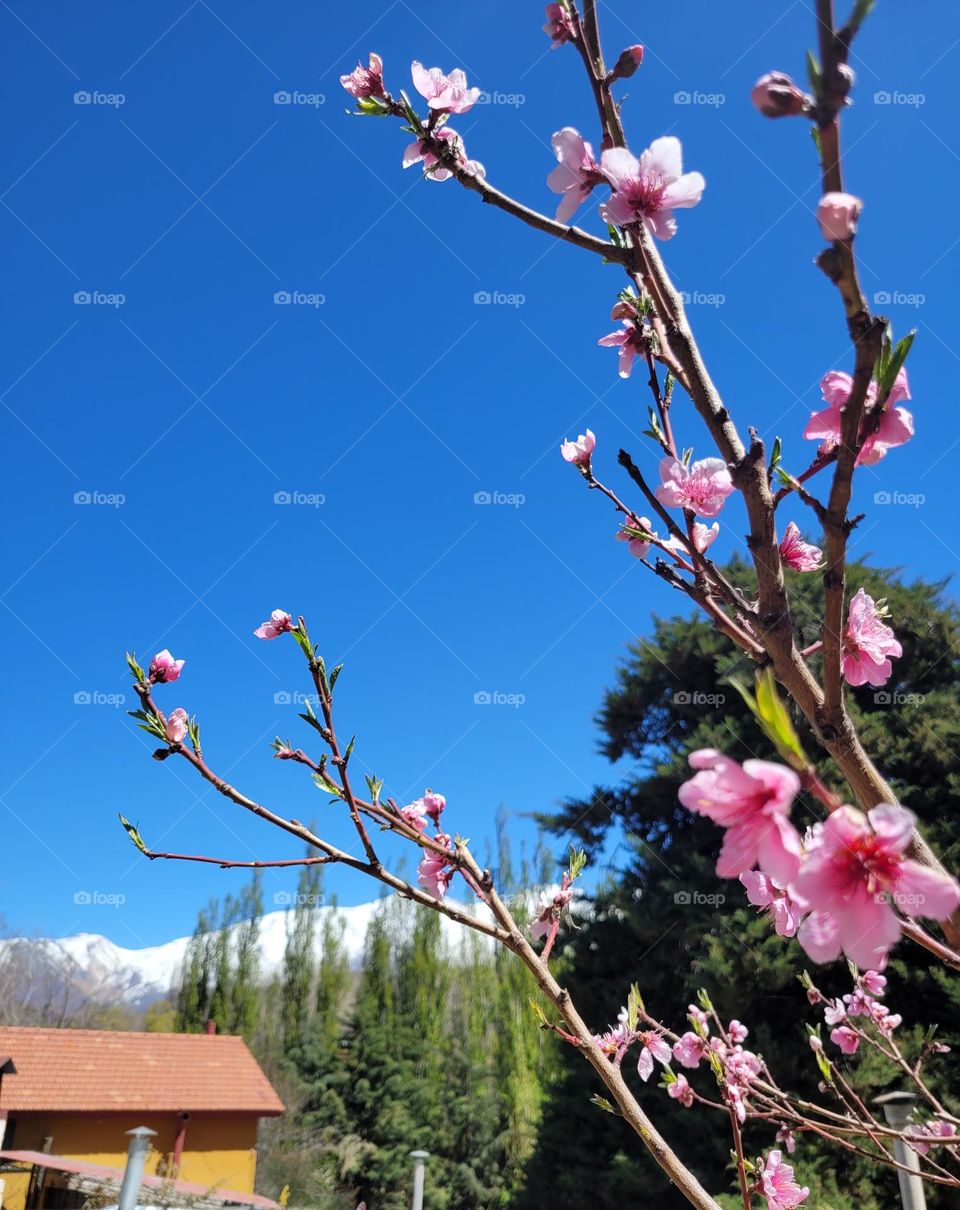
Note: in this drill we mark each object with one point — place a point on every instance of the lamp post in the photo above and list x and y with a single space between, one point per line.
897 1108
140 1138
418 1158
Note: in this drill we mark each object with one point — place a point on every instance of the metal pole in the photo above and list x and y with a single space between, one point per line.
133 1173
897 1108
418 1158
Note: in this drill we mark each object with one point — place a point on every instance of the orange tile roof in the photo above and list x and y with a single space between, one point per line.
95 1071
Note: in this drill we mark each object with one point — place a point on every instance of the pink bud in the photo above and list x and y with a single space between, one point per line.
775 95
837 214
559 27
164 668
177 726
434 805
277 623
630 59
578 452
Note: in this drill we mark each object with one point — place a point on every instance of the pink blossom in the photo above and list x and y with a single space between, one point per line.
449 94
786 1136
701 487
896 423
434 872
775 95
778 1186
559 27
365 81
873 982
277 624
764 892
177 726
550 909
923 1137
855 865
648 190
638 547
422 151
689 1049
699 1017
415 815
846 1038
795 553
703 538
681 1091
654 1047
737 1031
834 1011
837 214
629 339
868 644
576 174
752 801
578 452
616 1041
434 805
164 668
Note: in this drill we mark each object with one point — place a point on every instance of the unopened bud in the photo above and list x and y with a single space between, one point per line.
623 310
630 59
837 214
775 95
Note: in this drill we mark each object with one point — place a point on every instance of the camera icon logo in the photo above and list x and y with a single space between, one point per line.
282 97
82 898
682 898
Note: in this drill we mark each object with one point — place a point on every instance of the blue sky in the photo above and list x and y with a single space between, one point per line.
183 398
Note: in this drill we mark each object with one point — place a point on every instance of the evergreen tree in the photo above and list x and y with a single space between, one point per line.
667 922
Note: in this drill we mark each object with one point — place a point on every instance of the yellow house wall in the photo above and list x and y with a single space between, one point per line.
219 1149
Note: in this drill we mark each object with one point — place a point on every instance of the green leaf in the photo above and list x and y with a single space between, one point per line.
537 1009
133 833
138 673
814 74
372 107
328 786
578 862
604 1104
775 454
635 1006
333 676
768 709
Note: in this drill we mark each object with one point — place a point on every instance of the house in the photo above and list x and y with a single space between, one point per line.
71 1094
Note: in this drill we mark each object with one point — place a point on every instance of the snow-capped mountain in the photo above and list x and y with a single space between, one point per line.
90 966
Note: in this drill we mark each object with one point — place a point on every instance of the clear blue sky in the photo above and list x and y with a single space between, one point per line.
198 398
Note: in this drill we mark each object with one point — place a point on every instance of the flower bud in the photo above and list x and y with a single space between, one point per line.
775 95
630 59
837 214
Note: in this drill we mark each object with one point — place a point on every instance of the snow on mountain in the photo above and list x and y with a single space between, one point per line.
99 969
